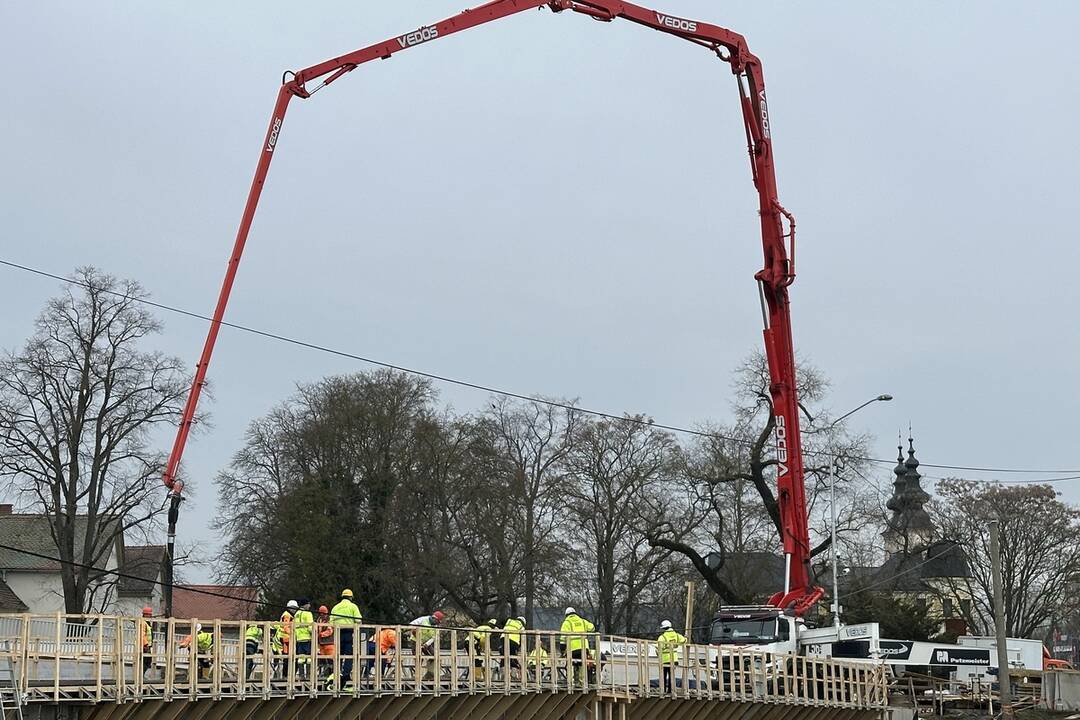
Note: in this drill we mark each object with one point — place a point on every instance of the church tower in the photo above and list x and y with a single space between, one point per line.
909 529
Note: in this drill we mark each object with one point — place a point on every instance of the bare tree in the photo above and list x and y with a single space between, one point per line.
468 518
77 406
618 473
1040 551
534 439
251 493
734 468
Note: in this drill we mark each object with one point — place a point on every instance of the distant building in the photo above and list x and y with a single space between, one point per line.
30 578
920 566
215 602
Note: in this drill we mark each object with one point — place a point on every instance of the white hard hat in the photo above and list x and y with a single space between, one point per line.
570 611
666 624
521 619
198 627
292 604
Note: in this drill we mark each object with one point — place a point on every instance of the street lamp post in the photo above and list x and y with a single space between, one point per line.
833 469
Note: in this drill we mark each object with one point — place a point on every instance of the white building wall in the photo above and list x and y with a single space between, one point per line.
42 592
131 606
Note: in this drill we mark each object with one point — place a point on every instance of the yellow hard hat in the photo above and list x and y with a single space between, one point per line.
346 593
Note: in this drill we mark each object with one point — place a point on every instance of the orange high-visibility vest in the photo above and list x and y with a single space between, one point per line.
146 634
284 628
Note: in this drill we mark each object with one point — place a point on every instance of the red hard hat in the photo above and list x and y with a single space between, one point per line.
438 615
147 611
322 609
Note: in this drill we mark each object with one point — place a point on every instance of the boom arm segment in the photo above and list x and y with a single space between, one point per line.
773 279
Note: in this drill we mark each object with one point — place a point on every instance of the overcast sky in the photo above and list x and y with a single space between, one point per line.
558 206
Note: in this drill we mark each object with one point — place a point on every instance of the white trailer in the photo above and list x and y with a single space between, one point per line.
1023 654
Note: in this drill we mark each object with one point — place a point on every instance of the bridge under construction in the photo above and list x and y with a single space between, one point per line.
94 667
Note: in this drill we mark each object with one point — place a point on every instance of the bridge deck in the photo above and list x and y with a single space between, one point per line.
99 659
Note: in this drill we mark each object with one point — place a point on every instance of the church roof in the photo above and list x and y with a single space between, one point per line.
909 572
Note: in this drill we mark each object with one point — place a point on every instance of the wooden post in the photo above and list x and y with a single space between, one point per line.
454 662
170 657
436 668
267 659
98 659
689 608
56 654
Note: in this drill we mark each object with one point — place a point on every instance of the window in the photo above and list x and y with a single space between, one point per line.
965 606
947 607
750 631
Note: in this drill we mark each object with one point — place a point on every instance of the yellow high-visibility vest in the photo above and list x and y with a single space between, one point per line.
574 623
668 645
345 613
512 630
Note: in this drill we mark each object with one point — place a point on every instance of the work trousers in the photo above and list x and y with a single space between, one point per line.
250 648
346 636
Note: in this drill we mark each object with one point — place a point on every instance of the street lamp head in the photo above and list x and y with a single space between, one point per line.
884 398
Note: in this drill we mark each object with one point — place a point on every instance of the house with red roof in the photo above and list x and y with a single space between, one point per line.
215 602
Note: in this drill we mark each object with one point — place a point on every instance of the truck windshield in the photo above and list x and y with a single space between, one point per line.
749 631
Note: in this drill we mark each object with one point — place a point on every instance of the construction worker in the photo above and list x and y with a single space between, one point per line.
146 640
283 633
380 646
538 661
426 638
668 646
575 643
512 637
204 645
325 634
480 638
303 622
346 615
252 639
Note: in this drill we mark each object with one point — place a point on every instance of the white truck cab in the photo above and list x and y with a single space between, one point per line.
761 627
770 629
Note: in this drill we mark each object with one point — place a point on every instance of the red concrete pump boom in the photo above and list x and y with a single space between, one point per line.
773 279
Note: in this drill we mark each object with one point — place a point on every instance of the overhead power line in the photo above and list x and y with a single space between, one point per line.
159 583
119 574
894 576
506 393
1013 481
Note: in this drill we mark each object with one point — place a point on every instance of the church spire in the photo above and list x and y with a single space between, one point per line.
910 526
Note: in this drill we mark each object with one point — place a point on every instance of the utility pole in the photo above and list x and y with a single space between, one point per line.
833 550
170 552
1004 682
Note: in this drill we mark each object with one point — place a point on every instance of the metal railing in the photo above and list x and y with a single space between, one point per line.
62 658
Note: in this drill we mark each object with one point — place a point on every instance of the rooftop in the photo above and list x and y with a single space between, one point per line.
9 601
215 602
141 569
32 533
